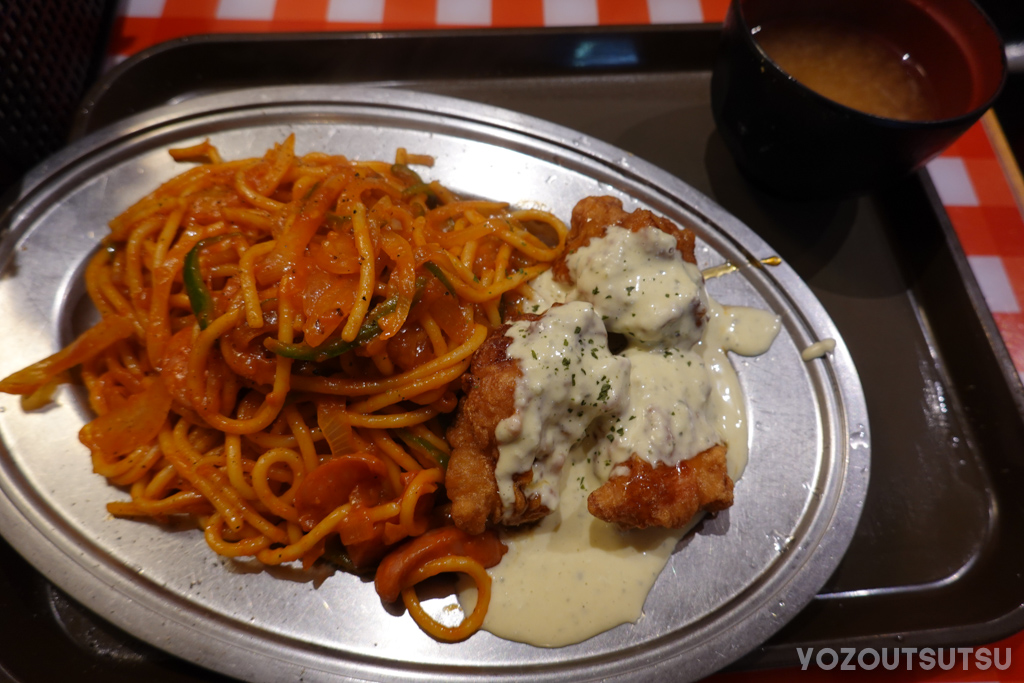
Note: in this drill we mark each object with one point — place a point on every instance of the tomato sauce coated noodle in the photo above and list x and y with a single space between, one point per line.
280 342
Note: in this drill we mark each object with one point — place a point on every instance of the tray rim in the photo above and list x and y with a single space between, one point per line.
98 91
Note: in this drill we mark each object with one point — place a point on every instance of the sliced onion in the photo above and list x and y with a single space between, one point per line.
335 427
137 422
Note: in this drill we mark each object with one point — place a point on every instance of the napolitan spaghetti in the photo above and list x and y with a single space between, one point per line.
281 339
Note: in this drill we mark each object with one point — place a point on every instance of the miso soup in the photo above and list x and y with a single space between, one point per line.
852 66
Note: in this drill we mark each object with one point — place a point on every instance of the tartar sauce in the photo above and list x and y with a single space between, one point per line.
569 380
641 287
666 420
818 349
669 395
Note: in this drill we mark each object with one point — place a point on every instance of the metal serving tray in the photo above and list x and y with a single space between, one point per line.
936 559
728 586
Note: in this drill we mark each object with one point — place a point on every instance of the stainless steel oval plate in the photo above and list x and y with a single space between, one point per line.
728 586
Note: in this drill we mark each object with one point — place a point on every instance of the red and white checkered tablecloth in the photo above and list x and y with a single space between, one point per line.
977 179
147 22
980 185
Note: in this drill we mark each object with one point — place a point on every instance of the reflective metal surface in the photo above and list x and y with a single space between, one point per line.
728 586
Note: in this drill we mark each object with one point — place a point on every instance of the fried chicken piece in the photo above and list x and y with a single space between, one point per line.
663 495
490 387
611 261
592 215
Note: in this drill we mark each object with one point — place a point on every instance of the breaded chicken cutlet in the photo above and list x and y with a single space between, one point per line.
638 493
490 387
664 495
590 220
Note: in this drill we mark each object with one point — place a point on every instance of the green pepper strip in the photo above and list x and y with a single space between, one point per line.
314 188
421 283
433 201
406 174
368 331
440 275
435 453
419 188
199 296
337 221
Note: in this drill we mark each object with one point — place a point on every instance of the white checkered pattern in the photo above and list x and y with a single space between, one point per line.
675 11
260 10
464 12
994 283
570 12
952 181
356 11
142 8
